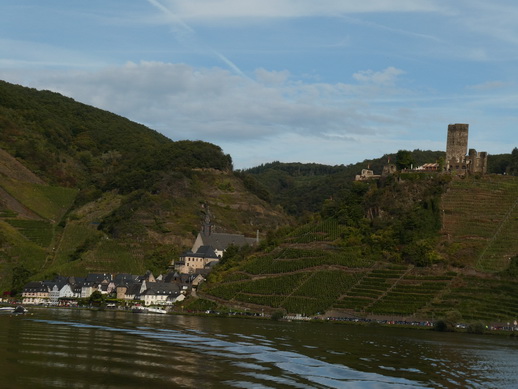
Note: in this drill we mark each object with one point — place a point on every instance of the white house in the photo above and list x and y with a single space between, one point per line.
161 293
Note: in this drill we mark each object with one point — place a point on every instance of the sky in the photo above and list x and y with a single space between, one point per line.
328 81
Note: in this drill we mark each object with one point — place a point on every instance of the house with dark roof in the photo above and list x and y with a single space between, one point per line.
218 240
161 293
208 248
221 241
36 292
187 281
190 262
131 291
60 288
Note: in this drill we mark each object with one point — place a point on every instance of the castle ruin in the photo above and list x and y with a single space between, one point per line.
458 159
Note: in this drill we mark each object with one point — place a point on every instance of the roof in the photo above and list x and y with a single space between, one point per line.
36 286
98 278
161 288
183 278
124 278
59 283
205 251
221 241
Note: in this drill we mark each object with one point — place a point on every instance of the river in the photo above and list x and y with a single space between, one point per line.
66 348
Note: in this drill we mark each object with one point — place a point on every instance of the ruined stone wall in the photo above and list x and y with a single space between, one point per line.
477 162
457 143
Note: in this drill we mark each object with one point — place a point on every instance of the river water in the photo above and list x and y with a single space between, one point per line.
52 348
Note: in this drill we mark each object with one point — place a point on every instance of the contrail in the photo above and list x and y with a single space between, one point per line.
229 63
175 19
182 30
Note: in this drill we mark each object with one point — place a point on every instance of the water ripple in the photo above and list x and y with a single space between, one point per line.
295 368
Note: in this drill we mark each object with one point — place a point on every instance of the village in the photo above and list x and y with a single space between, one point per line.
183 277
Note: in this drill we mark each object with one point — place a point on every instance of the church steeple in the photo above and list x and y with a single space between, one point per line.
207 227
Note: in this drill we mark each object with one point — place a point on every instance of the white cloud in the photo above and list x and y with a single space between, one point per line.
489 85
236 9
272 77
215 105
387 76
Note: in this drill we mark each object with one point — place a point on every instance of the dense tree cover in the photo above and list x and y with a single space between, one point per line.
73 144
504 163
404 160
303 188
397 220
296 168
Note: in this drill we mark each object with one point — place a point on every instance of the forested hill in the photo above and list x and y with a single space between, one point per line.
73 144
83 190
302 188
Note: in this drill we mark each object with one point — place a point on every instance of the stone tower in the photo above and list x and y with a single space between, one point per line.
457 145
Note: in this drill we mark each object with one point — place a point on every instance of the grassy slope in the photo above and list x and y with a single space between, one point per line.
74 244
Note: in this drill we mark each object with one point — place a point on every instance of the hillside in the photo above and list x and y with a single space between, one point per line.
302 188
330 268
480 222
83 190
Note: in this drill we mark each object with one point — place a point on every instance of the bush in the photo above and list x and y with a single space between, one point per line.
443 326
476 328
277 315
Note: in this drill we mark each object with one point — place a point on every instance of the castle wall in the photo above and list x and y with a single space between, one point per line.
477 162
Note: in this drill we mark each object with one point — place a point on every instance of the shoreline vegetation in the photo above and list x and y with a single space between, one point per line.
441 325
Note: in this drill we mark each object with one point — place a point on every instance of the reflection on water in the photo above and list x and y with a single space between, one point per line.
88 349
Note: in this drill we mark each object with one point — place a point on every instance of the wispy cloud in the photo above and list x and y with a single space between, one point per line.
385 77
27 54
489 85
187 35
226 9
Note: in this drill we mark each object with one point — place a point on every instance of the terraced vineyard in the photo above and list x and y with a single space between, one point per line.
480 221
40 232
411 294
313 272
386 290
304 292
476 298
371 288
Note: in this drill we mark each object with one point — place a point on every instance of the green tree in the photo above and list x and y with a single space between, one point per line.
513 166
96 299
404 159
20 276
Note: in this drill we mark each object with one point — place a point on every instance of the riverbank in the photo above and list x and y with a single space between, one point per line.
389 322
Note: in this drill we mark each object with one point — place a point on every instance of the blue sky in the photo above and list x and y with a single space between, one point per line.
328 81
